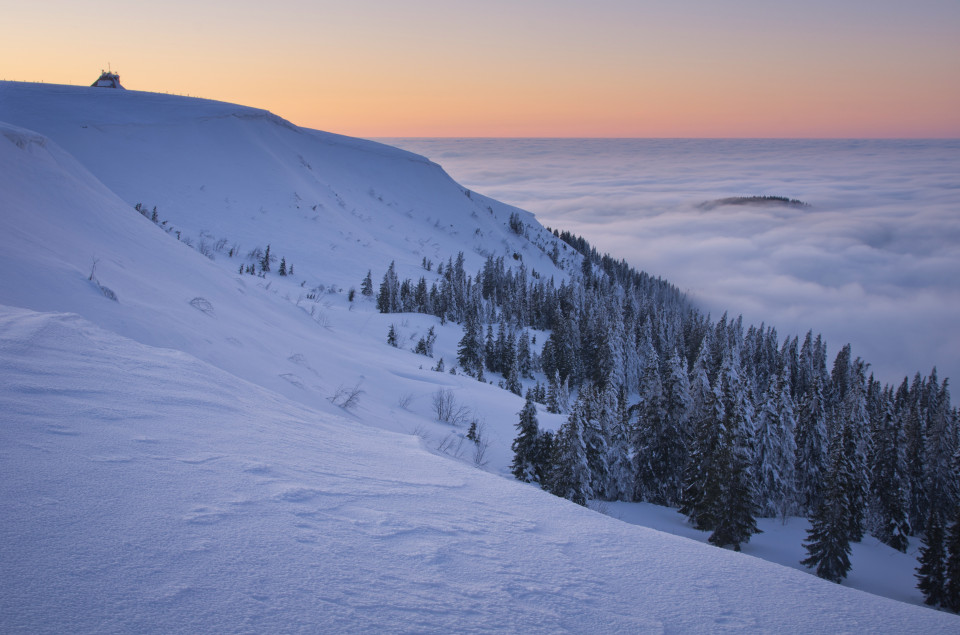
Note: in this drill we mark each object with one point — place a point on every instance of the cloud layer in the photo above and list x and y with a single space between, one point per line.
874 261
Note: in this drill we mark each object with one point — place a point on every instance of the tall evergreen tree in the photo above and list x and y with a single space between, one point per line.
366 286
524 465
776 449
388 300
889 479
678 405
620 481
736 507
524 356
828 539
932 573
941 446
701 476
571 473
650 434
952 568
596 420
854 425
265 261
811 432
470 347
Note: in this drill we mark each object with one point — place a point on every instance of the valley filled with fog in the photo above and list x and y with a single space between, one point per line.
872 261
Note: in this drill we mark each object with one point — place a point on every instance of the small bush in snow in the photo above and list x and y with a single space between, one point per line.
347 398
447 409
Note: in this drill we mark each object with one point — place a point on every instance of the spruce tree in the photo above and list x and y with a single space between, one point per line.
544 457
888 499
366 286
941 445
811 439
828 539
736 506
952 573
775 449
553 393
931 573
652 437
524 357
388 299
701 478
570 478
470 347
524 445
265 261
596 420
620 479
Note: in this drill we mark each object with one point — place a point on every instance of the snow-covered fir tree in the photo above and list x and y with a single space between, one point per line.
736 506
570 477
888 508
952 566
932 572
525 450
828 539
776 449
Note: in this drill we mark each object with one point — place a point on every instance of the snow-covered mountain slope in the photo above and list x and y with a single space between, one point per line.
170 456
146 491
333 206
297 335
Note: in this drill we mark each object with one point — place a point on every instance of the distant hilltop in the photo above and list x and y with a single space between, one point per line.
781 201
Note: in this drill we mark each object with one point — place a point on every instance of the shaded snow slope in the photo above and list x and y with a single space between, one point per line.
147 491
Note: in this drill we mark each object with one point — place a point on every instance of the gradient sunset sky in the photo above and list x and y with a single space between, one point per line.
521 68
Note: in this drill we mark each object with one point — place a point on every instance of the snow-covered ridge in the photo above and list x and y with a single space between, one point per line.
173 458
238 172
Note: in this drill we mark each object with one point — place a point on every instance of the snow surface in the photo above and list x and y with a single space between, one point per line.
170 456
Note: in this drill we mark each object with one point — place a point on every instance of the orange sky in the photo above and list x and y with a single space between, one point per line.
551 68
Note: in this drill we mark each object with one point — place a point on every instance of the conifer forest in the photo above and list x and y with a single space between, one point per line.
726 422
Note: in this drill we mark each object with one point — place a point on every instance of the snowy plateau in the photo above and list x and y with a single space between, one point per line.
176 454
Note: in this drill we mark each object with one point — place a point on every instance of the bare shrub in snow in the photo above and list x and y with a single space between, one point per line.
107 292
205 248
320 317
404 400
347 398
447 409
452 445
480 443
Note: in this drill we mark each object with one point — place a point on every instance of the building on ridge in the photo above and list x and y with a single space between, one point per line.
108 80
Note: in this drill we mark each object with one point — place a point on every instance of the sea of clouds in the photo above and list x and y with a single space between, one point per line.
874 261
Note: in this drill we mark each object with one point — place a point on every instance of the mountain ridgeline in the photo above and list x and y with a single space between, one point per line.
726 422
